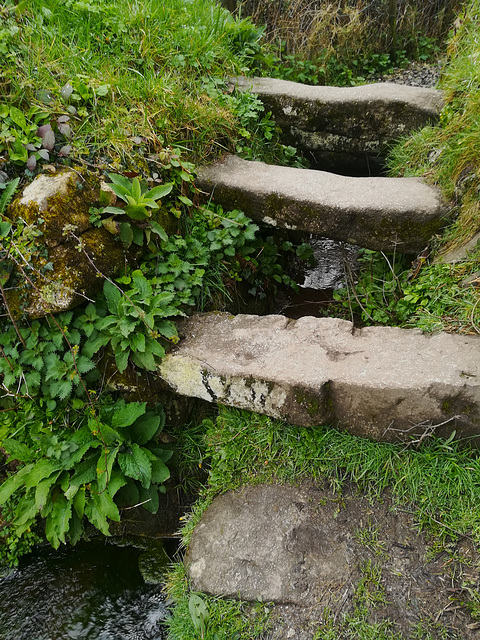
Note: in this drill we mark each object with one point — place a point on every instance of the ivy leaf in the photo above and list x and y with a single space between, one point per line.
135 464
126 415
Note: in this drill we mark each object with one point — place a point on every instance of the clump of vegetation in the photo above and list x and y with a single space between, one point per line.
345 42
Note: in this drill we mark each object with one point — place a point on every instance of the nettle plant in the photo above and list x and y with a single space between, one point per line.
98 462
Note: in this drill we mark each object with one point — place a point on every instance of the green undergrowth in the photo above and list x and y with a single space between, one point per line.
437 480
200 616
119 82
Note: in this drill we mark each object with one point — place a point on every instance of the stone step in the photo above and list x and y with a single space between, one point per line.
384 383
378 213
333 122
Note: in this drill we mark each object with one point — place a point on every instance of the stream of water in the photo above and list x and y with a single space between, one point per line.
93 591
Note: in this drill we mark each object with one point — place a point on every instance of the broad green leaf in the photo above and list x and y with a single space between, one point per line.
116 211
137 235
126 233
25 515
136 190
149 498
159 230
137 212
125 416
94 344
18 118
104 467
159 192
113 296
167 328
17 450
145 360
160 472
86 471
120 180
42 469
119 191
98 508
12 483
141 284
116 482
58 521
128 495
43 490
135 464
121 360
79 502
145 428
76 529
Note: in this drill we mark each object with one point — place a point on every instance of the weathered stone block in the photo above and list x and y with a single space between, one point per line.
384 383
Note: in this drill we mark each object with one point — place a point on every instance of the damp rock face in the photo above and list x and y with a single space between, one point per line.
341 124
384 214
306 547
71 254
383 383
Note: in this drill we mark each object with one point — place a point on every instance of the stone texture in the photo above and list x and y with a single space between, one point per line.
78 254
345 120
384 383
377 213
303 546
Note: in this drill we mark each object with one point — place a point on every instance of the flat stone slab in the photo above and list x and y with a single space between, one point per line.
352 120
378 213
305 547
384 383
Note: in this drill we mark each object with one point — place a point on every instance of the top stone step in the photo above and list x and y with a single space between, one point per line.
348 121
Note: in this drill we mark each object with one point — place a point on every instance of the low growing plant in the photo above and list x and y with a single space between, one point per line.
83 472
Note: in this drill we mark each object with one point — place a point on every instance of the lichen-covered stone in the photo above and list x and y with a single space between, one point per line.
72 256
384 383
383 214
337 120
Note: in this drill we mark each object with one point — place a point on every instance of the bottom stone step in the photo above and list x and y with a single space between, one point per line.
384 383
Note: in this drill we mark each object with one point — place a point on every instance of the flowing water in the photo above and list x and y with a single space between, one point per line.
94 591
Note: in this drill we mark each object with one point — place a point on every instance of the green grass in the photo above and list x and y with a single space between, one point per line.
439 482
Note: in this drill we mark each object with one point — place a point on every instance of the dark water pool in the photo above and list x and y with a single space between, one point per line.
93 591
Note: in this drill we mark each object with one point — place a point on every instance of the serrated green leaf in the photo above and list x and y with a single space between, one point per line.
104 467
76 529
42 469
79 502
113 296
145 360
116 482
86 471
121 360
58 521
128 495
43 490
25 515
12 483
126 415
135 464
17 450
